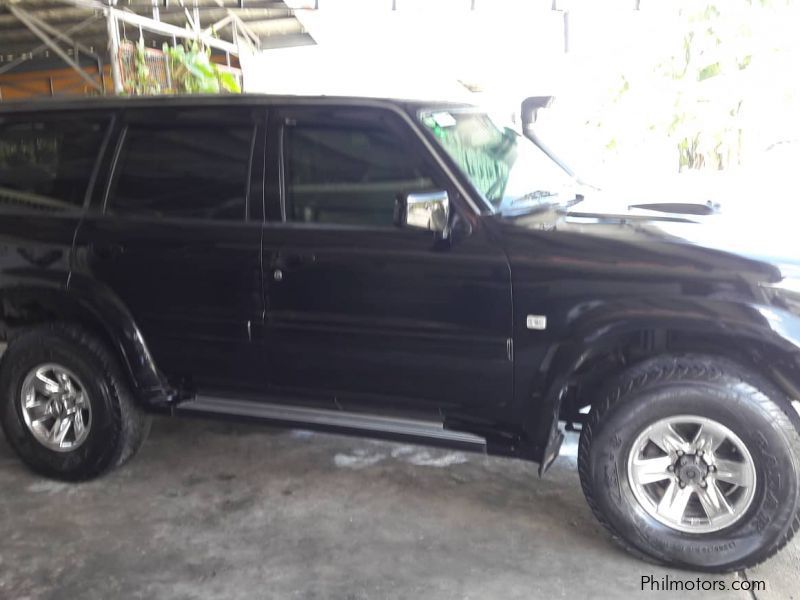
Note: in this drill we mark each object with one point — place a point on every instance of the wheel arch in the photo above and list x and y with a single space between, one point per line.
586 359
101 313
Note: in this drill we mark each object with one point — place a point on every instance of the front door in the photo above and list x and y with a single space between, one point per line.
367 314
174 239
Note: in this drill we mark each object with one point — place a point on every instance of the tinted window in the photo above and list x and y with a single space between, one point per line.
347 175
46 164
197 171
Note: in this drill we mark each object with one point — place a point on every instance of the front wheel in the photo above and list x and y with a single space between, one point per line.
693 462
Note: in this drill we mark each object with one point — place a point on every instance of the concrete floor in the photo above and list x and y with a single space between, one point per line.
219 510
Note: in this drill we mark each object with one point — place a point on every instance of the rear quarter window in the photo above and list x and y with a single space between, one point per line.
46 163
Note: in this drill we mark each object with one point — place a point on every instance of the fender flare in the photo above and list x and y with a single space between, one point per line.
600 329
94 305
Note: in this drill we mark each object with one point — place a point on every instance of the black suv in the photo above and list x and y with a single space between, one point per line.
395 269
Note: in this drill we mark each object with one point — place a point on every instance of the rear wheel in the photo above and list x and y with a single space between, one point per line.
65 406
694 462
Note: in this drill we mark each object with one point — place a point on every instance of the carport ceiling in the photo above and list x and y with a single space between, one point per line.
271 21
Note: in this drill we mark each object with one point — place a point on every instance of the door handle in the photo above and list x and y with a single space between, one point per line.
107 251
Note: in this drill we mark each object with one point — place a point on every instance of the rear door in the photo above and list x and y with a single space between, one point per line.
47 163
177 236
370 315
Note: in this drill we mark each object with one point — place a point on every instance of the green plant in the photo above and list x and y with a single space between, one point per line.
696 99
192 71
141 82
706 126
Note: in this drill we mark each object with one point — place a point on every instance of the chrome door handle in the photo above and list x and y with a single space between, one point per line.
277 275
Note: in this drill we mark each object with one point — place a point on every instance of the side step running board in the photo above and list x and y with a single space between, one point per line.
332 419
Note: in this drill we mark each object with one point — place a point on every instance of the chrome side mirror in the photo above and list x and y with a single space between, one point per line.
423 210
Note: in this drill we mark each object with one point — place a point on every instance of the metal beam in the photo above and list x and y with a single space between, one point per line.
231 17
113 51
25 19
41 47
255 41
171 30
62 36
216 27
91 4
190 20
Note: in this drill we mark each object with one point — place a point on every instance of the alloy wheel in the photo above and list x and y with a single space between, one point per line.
692 474
55 407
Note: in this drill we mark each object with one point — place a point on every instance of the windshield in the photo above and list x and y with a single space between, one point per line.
509 170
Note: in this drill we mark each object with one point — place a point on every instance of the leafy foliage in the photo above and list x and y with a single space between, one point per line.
190 68
706 127
142 83
697 87
193 72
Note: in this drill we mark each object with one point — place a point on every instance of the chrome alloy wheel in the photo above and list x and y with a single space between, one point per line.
55 407
692 474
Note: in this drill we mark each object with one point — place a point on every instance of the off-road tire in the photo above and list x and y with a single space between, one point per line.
119 426
714 388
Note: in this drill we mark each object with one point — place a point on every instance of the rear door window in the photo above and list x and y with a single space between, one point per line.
195 169
46 163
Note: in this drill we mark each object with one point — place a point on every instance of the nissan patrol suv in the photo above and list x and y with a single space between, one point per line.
396 269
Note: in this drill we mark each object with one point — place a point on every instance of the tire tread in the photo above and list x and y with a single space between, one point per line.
131 424
687 366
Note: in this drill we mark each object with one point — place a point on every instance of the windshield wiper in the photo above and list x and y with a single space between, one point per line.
538 195
525 204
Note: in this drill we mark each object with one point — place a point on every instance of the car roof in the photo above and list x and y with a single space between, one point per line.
116 102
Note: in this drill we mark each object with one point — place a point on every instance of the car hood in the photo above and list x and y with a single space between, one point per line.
760 236
669 235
